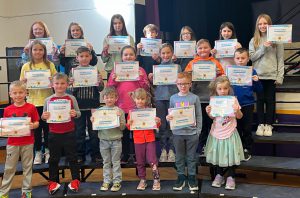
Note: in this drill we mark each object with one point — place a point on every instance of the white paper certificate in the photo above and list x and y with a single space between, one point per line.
184 49
15 127
165 74
127 71
85 76
221 106
59 111
116 43
225 48
143 119
182 117
150 46
204 71
48 42
38 79
72 45
239 75
105 118
280 33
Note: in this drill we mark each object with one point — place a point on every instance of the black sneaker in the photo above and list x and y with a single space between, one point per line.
202 154
180 183
193 183
247 155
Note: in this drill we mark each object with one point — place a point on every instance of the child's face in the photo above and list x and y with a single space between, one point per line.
262 25
76 32
140 102
166 54
128 55
18 94
38 31
151 34
84 58
110 100
184 85
37 52
60 85
204 50
118 25
186 35
223 89
226 33
241 59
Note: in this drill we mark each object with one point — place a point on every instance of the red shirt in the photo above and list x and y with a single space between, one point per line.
27 110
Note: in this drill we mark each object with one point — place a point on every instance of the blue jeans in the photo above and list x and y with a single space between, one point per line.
185 147
111 153
166 136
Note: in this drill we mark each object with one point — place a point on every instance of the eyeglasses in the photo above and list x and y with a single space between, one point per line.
186 33
183 84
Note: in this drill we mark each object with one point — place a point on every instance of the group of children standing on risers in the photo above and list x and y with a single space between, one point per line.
228 140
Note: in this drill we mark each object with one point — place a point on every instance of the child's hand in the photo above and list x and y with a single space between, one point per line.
73 113
99 78
26 48
62 49
139 45
155 57
33 125
89 46
92 119
130 122
119 113
235 107
208 109
54 50
45 115
169 117
157 120
105 50
150 77
267 43
255 78
113 76
174 58
71 81
213 51
238 45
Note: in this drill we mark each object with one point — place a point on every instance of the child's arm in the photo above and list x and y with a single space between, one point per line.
237 110
158 122
111 80
34 125
94 60
122 120
129 122
101 83
143 82
105 56
76 111
257 53
198 113
257 86
208 110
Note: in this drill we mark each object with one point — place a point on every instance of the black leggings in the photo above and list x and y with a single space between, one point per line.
223 170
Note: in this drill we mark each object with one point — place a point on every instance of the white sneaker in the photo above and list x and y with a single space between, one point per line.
260 130
163 156
47 156
171 156
268 130
38 157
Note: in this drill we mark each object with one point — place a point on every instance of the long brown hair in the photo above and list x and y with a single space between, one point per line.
257 33
46 30
45 60
193 36
112 30
69 30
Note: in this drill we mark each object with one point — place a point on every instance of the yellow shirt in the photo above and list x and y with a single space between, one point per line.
37 96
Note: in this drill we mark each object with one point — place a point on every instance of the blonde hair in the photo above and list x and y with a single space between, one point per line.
151 28
201 41
186 75
110 91
18 84
257 33
59 76
141 93
164 45
219 80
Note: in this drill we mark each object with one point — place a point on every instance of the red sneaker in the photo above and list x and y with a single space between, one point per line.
53 187
74 185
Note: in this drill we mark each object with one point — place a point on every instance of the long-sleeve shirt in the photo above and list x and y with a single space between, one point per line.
66 126
124 88
200 88
181 101
114 133
268 61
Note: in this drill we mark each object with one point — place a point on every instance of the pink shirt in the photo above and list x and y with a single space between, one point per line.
223 127
125 102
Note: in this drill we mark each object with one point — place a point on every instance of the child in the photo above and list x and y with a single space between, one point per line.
186 139
40 30
125 102
246 99
88 98
162 102
62 136
227 31
147 62
224 147
144 143
111 144
186 34
38 60
200 87
75 31
267 59
19 146
117 28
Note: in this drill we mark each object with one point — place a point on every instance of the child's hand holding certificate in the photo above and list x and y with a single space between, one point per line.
182 117
105 118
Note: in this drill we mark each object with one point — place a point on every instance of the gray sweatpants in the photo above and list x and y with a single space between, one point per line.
12 156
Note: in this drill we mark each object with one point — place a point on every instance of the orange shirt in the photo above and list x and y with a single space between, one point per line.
220 70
